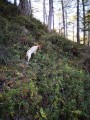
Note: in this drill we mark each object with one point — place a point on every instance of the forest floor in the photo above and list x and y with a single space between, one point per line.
56 82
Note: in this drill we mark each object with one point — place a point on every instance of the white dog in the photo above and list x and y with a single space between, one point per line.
31 51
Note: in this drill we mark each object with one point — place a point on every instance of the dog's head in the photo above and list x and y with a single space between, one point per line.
39 47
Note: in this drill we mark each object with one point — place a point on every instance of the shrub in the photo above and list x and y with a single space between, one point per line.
19 102
34 26
8 10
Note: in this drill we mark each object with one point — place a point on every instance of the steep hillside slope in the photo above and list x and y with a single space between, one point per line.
53 86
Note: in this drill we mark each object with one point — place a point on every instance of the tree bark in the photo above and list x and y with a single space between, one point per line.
53 19
63 16
15 2
84 32
30 8
25 7
88 32
44 11
73 32
50 17
66 33
78 36
88 38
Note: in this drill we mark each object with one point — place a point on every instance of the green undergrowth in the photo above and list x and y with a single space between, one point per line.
52 86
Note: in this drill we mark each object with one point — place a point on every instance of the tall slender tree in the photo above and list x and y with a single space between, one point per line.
50 17
44 12
84 32
88 35
88 26
78 35
53 18
24 7
66 32
15 2
63 16
59 25
30 7
73 32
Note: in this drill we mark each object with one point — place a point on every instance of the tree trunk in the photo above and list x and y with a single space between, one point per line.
88 38
24 7
84 32
53 19
44 11
88 32
30 8
73 32
15 2
66 33
78 37
59 25
63 16
50 17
